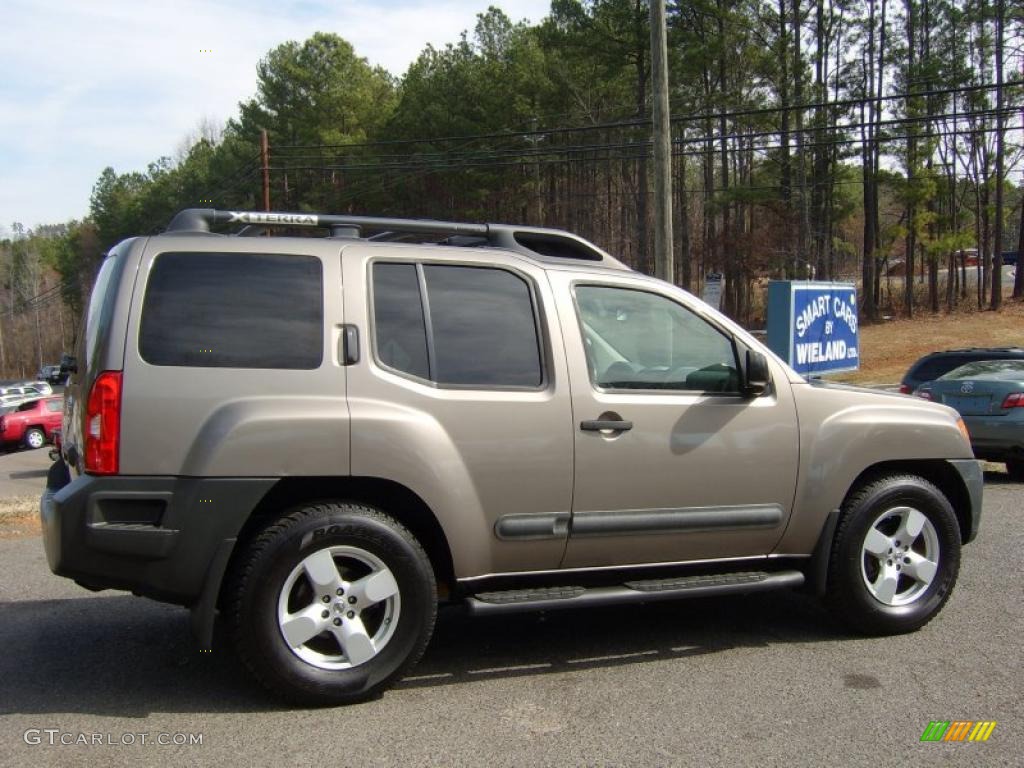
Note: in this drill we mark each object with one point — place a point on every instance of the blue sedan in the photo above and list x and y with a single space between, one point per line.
989 394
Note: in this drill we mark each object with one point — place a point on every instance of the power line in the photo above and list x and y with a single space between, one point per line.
396 160
643 122
633 150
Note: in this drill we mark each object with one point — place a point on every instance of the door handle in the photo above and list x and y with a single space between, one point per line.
349 345
600 425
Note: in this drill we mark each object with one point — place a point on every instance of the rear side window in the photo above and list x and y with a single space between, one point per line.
476 326
100 311
398 316
484 328
931 369
233 310
54 406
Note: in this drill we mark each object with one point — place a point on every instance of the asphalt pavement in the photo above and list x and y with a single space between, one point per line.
744 681
23 471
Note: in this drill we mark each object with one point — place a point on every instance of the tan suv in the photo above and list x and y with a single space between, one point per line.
320 438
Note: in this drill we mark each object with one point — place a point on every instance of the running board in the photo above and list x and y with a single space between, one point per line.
552 598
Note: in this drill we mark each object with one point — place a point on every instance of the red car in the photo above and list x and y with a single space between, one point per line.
32 423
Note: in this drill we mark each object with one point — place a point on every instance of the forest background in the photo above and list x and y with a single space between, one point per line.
872 141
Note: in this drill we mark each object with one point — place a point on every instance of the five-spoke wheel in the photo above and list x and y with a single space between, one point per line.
895 556
338 607
331 602
901 552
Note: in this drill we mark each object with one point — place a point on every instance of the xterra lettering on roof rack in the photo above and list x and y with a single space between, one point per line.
293 219
542 244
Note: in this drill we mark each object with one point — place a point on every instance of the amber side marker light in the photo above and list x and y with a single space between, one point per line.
963 430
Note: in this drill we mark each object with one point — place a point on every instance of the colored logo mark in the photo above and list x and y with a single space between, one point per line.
958 730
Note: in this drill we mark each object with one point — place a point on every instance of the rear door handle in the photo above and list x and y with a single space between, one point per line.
600 425
349 344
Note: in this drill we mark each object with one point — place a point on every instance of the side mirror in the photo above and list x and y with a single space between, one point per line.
756 376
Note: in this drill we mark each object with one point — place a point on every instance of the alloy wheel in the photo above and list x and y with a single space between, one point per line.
338 607
900 556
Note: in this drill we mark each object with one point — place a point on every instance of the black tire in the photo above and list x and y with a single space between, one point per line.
1015 469
34 434
262 572
848 595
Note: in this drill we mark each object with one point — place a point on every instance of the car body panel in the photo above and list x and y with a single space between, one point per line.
227 422
846 430
474 455
679 462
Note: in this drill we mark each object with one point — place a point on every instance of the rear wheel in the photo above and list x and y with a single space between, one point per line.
332 603
895 557
1015 468
35 438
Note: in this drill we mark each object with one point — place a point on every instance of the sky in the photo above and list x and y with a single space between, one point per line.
92 83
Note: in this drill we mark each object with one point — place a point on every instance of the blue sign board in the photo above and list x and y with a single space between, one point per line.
813 326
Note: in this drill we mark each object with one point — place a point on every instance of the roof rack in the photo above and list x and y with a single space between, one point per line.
553 245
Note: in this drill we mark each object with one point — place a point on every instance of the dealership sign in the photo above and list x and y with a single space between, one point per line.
813 325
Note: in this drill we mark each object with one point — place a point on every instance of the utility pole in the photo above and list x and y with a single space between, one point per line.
663 261
996 300
3 351
265 162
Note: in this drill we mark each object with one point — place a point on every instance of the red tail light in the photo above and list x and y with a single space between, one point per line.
905 389
103 425
1015 400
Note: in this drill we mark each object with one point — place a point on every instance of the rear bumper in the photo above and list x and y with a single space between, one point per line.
996 438
155 536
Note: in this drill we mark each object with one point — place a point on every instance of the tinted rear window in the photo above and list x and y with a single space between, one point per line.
398 315
233 310
484 327
930 370
474 326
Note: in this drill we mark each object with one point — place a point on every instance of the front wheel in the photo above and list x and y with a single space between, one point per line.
35 438
331 603
895 557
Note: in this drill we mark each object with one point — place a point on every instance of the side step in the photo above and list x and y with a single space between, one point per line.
552 598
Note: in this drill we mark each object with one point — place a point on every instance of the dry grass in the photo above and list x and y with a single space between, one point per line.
19 516
888 349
